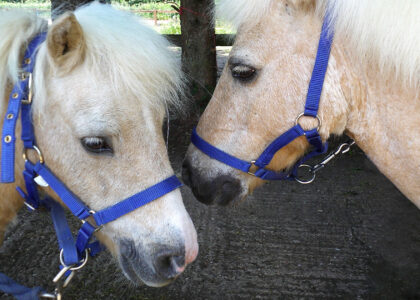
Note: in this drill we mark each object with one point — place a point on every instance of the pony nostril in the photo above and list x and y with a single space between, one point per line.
170 266
230 188
186 172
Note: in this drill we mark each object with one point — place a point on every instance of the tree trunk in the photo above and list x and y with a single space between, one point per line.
199 48
61 6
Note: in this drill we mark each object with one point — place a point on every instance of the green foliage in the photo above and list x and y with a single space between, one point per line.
171 28
43 8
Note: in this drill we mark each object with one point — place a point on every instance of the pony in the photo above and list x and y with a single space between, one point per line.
101 82
371 90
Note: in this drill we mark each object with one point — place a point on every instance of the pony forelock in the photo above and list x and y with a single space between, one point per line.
136 58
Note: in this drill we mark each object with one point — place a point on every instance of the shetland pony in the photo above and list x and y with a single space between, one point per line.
371 91
101 83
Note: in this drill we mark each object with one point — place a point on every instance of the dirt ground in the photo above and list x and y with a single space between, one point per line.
349 235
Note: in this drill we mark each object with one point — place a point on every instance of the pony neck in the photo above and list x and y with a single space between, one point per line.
384 121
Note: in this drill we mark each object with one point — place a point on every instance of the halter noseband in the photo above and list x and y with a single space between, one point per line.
257 167
73 254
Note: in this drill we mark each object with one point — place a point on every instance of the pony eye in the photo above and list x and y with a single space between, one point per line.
243 72
97 145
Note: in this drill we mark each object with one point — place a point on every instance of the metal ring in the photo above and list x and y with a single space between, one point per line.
310 171
317 117
25 155
82 263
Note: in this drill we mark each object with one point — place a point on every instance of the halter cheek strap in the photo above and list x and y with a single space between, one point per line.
73 252
312 136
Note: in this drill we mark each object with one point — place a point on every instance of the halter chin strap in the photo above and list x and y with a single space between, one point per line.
73 253
257 167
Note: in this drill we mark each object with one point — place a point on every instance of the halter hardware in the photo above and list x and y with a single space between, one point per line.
312 170
24 76
318 127
37 150
253 166
74 253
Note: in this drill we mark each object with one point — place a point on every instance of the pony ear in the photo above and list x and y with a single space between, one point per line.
66 43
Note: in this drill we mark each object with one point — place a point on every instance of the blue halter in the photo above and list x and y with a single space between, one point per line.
73 254
257 167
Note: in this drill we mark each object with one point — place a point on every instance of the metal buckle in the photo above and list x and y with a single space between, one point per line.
317 117
23 77
253 166
97 228
25 154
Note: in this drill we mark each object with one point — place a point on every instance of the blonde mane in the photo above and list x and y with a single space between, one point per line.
133 56
380 32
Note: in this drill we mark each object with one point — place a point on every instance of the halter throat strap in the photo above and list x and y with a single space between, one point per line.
257 167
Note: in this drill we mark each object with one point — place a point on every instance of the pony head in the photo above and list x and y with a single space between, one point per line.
102 81
264 84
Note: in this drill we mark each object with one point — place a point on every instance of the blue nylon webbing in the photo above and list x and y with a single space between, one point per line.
277 144
28 136
72 202
218 154
19 92
63 232
9 126
84 236
320 69
152 193
20 292
237 163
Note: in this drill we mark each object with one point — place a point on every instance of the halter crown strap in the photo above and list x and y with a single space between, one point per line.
311 109
320 69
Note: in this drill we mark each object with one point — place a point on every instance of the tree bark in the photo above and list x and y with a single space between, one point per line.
59 7
199 48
